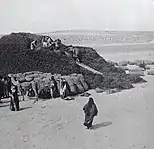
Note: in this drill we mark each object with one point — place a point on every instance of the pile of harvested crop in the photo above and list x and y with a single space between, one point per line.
16 57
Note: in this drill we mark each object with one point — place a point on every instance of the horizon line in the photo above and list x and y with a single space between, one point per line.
77 30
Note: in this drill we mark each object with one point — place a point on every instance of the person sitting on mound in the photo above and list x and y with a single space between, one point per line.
75 53
33 45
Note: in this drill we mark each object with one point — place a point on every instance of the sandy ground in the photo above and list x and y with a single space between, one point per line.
125 120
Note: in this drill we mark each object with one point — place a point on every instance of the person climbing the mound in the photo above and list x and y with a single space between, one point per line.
90 111
76 54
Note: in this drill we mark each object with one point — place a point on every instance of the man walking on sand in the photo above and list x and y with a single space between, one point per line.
90 111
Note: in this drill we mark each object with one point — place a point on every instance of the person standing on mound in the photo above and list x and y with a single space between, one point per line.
90 111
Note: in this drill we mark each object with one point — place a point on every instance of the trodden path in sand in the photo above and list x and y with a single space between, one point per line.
125 121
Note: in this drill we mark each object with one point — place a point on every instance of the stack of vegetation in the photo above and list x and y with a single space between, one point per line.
16 56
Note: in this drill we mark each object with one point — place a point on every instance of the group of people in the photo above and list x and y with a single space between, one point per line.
46 42
64 90
8 89
11 88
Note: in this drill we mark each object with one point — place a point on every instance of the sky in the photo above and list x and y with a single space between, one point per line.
39 16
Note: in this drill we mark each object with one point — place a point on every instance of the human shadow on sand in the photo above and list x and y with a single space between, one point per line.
25 108
104 124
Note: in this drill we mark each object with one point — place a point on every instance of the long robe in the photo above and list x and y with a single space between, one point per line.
90 112
14 103
65 89
54 89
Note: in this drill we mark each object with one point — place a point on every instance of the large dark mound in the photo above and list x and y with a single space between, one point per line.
15 57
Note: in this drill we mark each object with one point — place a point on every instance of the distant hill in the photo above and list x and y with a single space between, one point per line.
86 37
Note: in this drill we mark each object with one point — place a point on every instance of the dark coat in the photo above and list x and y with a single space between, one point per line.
14 103
90 111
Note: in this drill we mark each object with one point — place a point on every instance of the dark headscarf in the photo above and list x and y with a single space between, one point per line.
91 100
52 78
